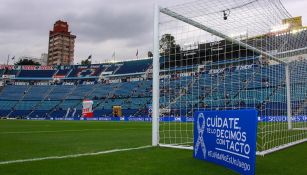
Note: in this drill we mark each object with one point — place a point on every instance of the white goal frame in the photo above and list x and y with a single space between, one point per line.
156 77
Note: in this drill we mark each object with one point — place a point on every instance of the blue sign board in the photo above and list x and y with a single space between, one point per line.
227 138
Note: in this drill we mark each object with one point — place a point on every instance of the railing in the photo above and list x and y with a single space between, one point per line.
39 104
13 108
107 98
88 94
62 101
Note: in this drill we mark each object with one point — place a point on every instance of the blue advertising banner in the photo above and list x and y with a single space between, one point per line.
227 138
168 118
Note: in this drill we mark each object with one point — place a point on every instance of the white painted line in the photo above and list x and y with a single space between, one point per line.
73 155
76 130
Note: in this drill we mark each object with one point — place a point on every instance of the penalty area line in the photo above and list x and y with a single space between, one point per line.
73 155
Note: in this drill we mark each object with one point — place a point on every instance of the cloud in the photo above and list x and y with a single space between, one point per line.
101 26
97 24
106 24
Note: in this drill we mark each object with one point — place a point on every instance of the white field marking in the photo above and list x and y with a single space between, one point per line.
73 155
73 130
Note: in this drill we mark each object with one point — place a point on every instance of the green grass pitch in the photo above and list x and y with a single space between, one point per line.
34 139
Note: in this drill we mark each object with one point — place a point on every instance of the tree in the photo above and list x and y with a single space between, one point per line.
27 62
168 45
86 62
149 54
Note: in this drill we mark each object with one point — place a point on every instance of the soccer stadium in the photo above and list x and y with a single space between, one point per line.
141 116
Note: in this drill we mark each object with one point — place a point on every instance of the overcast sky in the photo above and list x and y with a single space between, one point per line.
101 26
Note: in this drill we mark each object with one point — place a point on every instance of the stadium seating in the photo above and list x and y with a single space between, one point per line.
13 92
134 66
61 73
65 99
37 73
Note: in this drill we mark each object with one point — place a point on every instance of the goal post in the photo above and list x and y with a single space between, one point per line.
156 79
288 94
216 55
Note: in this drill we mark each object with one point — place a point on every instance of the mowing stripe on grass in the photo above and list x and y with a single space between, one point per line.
73 155
74 130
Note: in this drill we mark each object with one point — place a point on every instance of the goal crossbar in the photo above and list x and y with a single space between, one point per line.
217 33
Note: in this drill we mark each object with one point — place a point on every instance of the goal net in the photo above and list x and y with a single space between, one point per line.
230 55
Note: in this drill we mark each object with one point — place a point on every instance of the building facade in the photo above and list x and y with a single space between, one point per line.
61 45
44 59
